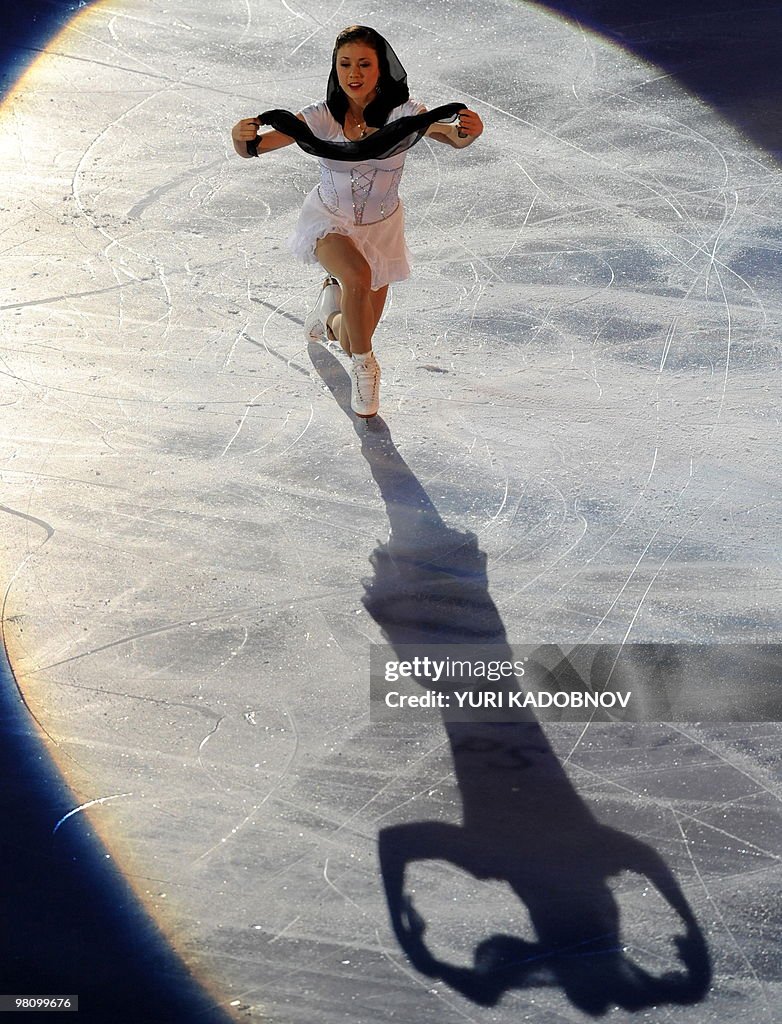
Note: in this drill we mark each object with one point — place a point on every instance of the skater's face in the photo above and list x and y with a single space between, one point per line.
358 72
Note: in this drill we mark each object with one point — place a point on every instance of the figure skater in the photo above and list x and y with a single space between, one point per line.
352 223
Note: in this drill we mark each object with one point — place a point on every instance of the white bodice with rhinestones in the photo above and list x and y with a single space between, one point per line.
362 192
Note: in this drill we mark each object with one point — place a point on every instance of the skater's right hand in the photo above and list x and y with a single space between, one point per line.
245 130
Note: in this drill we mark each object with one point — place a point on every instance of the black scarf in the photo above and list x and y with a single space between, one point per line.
387 141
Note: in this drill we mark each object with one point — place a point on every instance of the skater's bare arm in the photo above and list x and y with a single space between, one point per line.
246 130
460 134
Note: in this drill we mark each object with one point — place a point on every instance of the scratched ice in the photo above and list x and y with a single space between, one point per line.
581 417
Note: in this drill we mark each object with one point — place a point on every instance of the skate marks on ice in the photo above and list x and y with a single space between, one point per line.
696 42
597 277
523 822
71 924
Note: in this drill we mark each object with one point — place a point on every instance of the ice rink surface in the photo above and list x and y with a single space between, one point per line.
578 443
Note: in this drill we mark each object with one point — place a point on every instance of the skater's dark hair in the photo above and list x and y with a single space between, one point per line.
389 139
391 86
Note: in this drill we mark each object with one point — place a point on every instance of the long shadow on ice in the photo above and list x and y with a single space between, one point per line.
523 821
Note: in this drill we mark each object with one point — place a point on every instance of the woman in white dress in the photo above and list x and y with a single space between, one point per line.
352 223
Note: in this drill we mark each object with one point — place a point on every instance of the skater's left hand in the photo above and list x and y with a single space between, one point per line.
470 124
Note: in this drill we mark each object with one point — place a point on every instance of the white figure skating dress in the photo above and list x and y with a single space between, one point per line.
360 200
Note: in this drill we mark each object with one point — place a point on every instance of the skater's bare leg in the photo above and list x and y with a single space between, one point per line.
356 323
378 300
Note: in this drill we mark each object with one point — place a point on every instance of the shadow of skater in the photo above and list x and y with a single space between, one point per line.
523 821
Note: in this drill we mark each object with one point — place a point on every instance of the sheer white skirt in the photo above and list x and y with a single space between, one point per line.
382 243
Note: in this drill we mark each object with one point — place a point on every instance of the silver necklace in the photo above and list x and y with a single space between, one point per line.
361 127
